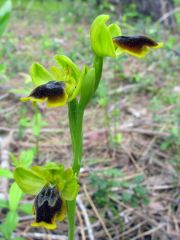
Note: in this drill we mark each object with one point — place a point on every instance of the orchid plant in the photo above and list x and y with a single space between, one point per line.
54 187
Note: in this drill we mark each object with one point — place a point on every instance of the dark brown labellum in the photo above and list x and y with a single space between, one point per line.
50 89
134 43
47 204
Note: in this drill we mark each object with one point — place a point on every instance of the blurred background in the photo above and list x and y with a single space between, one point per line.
130 187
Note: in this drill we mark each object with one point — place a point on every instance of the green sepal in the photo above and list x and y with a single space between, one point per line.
57 73
114 30
77 90
71 186
51 172
72 75
101 36
29 181
67 63
87 88
40 75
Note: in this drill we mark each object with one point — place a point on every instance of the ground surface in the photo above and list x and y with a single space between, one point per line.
130 175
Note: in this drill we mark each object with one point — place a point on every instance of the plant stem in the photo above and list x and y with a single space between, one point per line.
76 126
71 218
36 126
76 114
98 65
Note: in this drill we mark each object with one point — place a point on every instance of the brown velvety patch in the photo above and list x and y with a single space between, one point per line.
47 204
134 43
50 89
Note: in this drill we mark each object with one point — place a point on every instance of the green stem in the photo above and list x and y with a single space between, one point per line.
98 65
71 218
76 114
37 126
76 126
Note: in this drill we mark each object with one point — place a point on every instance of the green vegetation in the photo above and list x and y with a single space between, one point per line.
133 94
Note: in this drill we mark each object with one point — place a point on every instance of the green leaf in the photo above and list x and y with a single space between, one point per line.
15 195
113 172
5 173
117 139
139 179
29 181
126 197
134 201
145 201
26 208
40 75
4 203
18 238
9 225
124 184
141 191
5 11
26 157
87 88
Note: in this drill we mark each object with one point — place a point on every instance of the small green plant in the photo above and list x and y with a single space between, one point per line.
5 11
133 192
12 205
54 186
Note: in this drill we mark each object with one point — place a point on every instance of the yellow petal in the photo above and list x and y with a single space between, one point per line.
25 99
60 216
137 46
49 226
57 101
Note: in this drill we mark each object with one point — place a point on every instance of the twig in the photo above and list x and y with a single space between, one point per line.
165 187
86 218
96 212
81 225
132 159
124 89
124 129
41 236
149 232
130 230
168 14
4 96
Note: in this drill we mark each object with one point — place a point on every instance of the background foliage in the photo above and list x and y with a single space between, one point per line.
132 131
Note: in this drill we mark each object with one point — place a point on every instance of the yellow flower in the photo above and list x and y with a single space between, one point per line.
55 87
53 186
137 46
53 92
107 40
49 207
